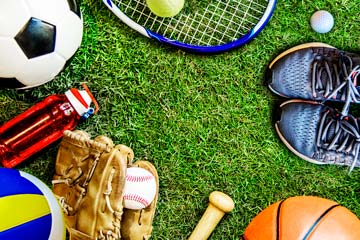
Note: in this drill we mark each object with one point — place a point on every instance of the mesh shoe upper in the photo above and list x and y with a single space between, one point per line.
320 134
314 73
298 125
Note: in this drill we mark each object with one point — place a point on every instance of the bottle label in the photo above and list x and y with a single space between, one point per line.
67 109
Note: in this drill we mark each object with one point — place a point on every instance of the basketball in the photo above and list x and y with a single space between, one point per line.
304 217
28 208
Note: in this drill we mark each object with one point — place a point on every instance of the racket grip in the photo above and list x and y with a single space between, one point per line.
219 204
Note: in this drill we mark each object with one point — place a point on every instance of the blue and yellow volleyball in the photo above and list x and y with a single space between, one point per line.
28 208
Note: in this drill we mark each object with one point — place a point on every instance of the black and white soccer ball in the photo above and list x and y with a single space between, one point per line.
37 39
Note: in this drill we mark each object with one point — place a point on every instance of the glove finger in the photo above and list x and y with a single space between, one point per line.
103 202
127 151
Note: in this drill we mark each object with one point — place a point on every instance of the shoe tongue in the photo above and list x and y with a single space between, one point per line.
344 135
356 61
332 126
331 133
355 58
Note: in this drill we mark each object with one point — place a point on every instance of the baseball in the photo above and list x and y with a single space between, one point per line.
140 188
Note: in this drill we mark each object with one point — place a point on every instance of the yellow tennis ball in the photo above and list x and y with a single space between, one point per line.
165 8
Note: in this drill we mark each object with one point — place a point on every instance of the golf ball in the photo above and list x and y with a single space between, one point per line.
322 21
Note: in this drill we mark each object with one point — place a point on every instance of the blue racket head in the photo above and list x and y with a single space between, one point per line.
211 27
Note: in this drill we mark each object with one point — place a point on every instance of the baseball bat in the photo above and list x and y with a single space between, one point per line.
219 204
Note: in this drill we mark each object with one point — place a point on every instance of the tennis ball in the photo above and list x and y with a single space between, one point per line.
165 8
322 21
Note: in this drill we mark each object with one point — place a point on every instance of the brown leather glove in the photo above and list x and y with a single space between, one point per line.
89 181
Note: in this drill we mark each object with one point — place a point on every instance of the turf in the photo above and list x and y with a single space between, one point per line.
205 122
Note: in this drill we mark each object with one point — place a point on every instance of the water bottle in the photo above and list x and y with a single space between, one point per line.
43 124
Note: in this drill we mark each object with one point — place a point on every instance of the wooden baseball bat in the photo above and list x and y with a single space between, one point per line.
219 204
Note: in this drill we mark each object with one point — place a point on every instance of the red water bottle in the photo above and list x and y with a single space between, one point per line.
43 124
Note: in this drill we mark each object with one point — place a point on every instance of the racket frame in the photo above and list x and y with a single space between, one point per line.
196 48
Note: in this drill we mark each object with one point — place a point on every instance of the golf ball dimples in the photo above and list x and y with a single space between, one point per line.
322 21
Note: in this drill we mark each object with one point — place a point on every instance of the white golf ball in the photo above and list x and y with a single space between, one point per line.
322 21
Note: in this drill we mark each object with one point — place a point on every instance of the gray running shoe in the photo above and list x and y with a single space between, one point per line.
316 71
319 134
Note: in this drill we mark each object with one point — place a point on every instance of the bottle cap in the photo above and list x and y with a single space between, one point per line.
80 100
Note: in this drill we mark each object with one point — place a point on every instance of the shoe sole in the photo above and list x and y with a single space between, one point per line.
306 158
291 50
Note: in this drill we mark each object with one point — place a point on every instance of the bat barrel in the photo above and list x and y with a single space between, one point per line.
219 204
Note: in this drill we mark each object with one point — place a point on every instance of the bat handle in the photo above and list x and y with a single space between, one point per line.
219 204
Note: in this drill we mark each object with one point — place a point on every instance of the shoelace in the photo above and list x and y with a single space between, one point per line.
332 82
338 134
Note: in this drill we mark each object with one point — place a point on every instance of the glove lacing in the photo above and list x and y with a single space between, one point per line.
81 187
110 235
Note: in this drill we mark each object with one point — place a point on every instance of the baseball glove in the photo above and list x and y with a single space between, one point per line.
88 182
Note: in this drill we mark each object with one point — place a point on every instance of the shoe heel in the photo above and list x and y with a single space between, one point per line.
298 47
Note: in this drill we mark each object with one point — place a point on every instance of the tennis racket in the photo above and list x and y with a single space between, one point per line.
202 26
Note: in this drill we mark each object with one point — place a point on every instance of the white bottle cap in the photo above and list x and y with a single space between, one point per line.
79 99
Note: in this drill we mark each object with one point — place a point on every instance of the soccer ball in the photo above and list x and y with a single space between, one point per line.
37 39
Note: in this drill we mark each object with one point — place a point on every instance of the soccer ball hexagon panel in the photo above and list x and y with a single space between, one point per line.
42 35
37 38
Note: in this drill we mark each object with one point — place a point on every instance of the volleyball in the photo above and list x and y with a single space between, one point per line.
28 208
304 217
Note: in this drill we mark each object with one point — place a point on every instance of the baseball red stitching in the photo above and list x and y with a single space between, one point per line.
131 178
137 198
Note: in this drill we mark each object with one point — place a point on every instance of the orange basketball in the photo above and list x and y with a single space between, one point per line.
304 218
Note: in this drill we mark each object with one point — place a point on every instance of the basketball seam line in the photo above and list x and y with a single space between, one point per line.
318 220
278 220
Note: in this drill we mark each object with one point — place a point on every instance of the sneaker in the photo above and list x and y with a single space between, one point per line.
316 71
319 134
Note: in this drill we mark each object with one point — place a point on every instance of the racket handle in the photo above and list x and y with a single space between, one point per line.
219 204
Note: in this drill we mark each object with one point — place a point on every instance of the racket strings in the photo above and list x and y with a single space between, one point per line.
220 22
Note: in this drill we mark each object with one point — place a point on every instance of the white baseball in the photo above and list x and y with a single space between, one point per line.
140 188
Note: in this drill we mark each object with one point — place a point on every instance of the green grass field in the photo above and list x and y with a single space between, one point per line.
205 122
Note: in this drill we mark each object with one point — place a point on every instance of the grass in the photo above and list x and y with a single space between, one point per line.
206 122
